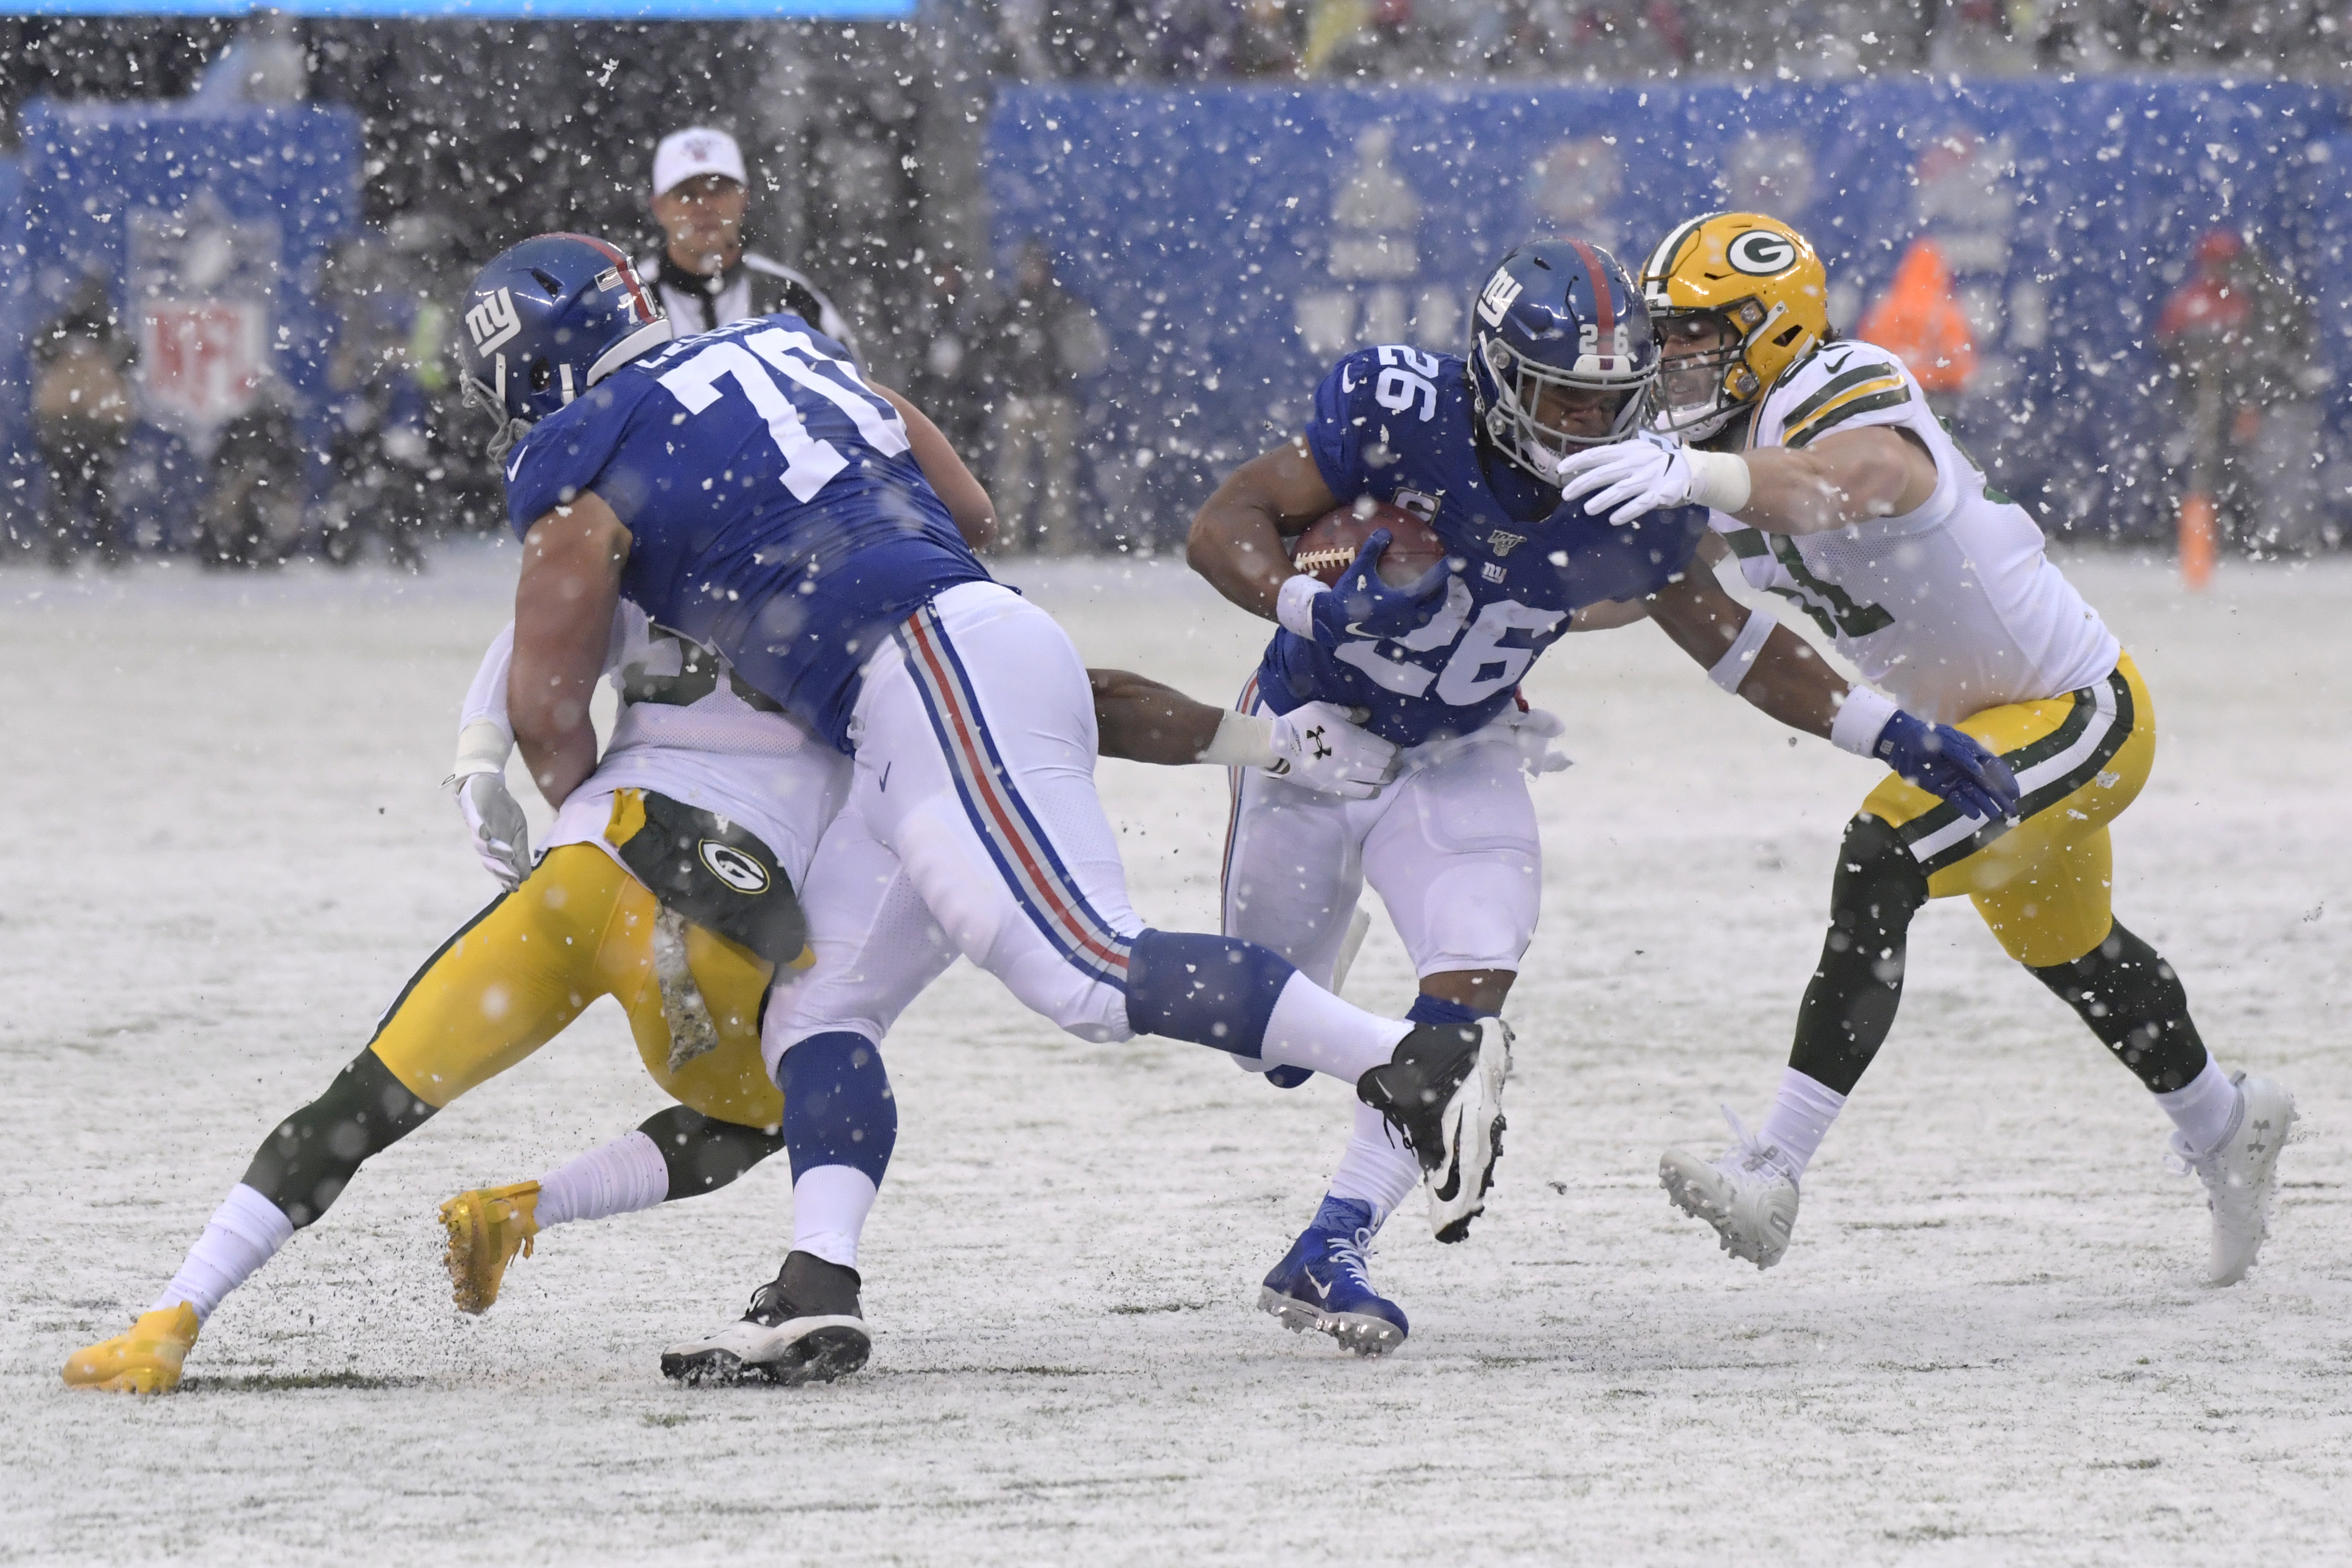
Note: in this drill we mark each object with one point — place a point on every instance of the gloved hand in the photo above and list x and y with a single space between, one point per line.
1534 729
495 820
1949 763
1321 747
1632 477
1361 605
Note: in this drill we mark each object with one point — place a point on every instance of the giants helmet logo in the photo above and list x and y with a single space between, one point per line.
493 322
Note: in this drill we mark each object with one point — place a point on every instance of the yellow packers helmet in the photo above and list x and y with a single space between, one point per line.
1756 280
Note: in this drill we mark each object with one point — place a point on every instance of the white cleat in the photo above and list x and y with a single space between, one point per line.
1443 1092
2240 1174
1750 1195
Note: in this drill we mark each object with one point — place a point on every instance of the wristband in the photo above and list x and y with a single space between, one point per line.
1242 740
1740 657
482 747
1719 479
1860 719
1294 607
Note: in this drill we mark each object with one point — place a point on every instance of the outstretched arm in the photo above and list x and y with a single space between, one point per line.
571 581
1237 539
1315 745
1142 720
1785 679
1848 477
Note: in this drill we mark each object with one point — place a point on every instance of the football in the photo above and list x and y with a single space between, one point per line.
1331 541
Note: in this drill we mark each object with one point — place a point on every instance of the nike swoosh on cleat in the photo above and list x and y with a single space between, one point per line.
1322 1290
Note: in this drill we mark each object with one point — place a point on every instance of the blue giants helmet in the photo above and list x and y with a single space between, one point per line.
1558 316
546 321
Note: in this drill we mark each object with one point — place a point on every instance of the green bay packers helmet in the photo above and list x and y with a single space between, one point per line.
1757 281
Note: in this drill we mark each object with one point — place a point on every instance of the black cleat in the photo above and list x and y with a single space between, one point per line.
1443 1092
803 1326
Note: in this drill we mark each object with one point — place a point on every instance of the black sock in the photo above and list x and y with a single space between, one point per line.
2131 998
1851 1004
306 1163
703 1153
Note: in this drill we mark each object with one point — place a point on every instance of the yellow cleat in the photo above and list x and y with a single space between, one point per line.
146 1360
486 1228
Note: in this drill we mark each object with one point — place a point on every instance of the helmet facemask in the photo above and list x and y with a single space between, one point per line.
490 401
1696 395
1519 384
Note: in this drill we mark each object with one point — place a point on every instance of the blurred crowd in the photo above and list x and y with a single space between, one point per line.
852 174
1646 40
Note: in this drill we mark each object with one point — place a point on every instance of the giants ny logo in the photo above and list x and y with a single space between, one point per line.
493 322
1501 291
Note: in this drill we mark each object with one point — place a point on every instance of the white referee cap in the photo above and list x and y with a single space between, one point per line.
696 151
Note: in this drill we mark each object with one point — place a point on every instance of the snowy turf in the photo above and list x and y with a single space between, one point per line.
1988 1342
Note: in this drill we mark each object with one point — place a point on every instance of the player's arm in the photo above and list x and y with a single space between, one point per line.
965 497
564 599
1847 478
1236 538
1777 671
1317 745
1140 720
1751 652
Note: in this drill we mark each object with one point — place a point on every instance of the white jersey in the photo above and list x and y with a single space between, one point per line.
689 730
1951 609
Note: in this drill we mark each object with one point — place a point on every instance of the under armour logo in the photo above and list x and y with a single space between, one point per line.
493 322
1315 740
1502 290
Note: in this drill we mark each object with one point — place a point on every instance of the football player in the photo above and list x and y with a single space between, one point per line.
1836 489
1560 360
667 884
748 488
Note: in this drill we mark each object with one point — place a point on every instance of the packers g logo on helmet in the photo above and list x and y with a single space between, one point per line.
1759 286
1760 253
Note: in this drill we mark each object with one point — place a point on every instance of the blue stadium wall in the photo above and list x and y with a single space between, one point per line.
1234 240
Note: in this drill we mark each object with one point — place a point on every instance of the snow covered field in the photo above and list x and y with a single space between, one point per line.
227 850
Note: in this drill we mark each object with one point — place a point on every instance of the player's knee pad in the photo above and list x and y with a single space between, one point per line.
1212 990
1879 885
303 1166
838 1108
703 1153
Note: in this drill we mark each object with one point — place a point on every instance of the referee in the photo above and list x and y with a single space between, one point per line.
705 276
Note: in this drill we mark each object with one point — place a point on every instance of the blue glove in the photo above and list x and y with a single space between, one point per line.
1945 762
1360 605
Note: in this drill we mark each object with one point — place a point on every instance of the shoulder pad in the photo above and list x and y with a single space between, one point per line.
1836 382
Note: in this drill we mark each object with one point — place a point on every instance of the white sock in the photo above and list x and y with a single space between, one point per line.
619 1177
830 1203
245 1232
1311 1028
1800 1116
1377 1169
2204 1109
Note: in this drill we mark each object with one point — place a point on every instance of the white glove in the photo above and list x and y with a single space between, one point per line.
1321 747
1632 477
1534 731
494 820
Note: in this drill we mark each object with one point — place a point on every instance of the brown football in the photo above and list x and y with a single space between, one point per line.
1331 541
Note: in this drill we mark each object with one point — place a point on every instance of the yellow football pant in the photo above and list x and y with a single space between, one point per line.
2044 885
578 928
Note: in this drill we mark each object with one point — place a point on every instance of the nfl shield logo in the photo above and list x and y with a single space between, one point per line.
201 359
203 283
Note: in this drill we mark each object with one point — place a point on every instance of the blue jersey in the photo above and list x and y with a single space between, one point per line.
775 511
1397 424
